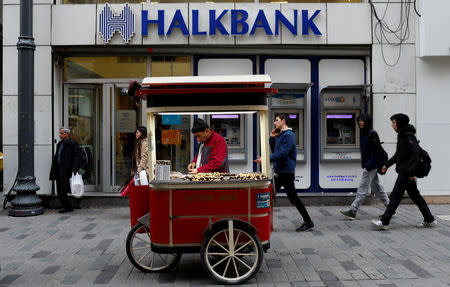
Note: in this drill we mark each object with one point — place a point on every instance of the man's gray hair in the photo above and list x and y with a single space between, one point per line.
66 130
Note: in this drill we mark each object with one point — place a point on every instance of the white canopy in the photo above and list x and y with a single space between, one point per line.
234 79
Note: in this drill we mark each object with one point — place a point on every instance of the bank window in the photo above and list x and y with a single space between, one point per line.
310 1
166 66
173 132
100 1
231 127
203 1
105 67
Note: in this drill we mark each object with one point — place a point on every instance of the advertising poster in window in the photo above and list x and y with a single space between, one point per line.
171 137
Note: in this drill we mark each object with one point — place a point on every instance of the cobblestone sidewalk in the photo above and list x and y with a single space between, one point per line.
87 248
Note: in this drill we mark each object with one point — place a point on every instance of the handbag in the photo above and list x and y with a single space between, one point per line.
77 185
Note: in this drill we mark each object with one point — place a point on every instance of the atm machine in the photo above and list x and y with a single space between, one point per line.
340 106
291 99
232 128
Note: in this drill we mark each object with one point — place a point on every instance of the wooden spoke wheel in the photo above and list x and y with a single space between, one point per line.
231 253
141 255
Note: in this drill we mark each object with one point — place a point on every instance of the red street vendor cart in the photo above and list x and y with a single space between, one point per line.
226 217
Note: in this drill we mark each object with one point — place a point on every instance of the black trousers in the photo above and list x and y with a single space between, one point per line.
405 183
286 180
63 189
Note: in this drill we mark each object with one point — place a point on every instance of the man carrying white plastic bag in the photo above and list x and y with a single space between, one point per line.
77 185
66 161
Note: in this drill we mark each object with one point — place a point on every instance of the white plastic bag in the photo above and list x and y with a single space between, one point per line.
77 185
143 177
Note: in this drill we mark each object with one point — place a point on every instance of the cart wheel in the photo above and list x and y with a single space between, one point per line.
141 255
231 254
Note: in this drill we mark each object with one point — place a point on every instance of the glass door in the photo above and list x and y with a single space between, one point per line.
173 140
127 116
81 115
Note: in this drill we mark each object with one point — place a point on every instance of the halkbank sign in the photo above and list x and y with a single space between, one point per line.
207 22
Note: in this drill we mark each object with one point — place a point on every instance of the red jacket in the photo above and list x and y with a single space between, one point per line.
214 157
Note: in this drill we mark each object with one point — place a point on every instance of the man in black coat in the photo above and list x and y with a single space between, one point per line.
407 151
66 161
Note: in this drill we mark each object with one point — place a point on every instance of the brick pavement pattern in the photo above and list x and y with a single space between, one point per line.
87 248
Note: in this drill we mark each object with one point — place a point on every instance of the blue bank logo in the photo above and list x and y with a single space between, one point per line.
109 23
295 21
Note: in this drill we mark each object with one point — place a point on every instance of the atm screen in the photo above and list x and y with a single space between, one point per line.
228 126
341 128
333 133
296 124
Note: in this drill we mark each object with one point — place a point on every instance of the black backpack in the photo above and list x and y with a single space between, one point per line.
381 155
423 164
420 165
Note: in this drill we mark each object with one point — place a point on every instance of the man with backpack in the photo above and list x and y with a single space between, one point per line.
372 156
407 157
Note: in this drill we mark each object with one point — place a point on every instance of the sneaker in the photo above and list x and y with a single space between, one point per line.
379 224
306 227
427 224
381 215
350 214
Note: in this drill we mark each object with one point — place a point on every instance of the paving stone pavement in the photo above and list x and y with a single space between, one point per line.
87 248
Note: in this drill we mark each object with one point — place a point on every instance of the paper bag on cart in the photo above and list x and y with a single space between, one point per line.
143 177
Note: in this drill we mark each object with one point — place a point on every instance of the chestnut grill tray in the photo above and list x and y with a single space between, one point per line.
222 181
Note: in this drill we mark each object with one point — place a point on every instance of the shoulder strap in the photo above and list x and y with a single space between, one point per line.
413 136
373 133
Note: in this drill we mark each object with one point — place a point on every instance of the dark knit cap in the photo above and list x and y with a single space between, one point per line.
199 126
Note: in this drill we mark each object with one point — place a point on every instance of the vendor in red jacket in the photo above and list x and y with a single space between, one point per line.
212 154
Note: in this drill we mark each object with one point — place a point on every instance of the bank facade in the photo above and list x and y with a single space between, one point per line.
329 60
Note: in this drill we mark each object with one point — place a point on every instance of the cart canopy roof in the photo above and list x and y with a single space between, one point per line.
247 91
207 80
